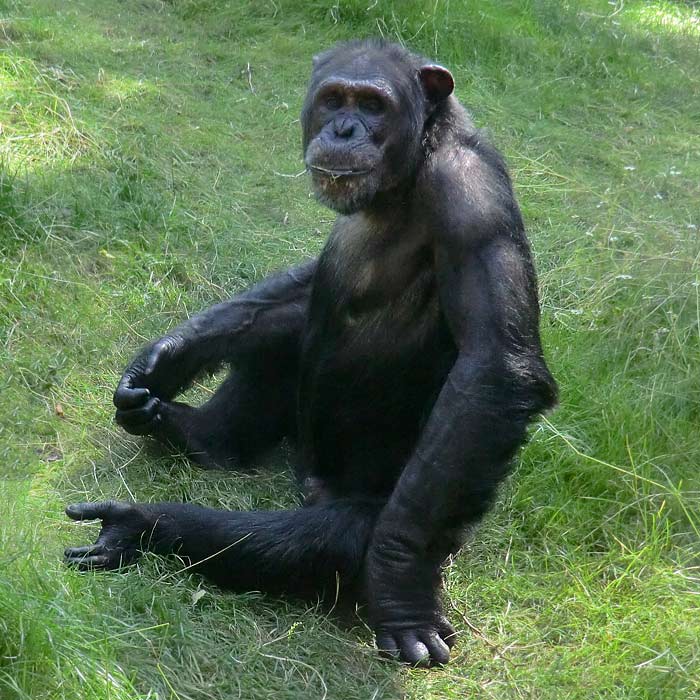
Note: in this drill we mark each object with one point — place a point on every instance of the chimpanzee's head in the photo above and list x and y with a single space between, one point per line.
364 117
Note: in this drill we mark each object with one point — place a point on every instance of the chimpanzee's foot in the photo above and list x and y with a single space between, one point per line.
140 413
180 426
204 438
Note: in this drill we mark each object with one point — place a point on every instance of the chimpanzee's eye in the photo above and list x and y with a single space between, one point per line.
333 101
371 105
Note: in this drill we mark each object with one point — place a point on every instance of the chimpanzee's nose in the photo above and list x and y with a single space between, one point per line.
343 127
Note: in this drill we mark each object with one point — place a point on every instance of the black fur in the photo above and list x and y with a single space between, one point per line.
404 363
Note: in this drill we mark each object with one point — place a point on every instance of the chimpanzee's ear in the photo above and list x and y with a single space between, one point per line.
437 82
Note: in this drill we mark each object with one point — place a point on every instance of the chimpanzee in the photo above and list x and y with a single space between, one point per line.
404 363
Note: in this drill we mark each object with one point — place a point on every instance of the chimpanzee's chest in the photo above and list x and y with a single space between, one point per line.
374 360
372 311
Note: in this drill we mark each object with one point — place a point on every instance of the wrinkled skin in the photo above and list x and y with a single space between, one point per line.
404 364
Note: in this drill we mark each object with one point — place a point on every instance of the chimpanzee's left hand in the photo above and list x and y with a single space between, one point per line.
405 610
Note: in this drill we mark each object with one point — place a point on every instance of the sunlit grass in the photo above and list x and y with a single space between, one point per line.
37 128
670 17
147 155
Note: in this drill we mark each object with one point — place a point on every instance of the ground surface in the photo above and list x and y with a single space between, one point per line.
147 160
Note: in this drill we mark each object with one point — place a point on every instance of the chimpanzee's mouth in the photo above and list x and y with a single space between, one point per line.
329 172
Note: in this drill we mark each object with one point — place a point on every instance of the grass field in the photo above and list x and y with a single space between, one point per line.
147 159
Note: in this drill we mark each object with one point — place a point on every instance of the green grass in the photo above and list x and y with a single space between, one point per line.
146 155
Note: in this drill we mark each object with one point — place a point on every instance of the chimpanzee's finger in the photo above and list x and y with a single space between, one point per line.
126 396
413 650
437 647
87 550
388 646
158 351
137 421
104 510
98 561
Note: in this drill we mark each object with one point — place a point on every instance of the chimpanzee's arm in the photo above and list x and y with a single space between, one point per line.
268 317
498 382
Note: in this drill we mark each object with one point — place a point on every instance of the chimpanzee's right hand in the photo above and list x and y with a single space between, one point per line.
156 374
126 530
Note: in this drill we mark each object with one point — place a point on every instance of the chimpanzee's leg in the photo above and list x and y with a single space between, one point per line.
310 552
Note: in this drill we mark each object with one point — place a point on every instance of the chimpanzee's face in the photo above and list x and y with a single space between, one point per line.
362 122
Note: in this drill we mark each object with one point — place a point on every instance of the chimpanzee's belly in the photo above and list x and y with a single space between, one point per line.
367 390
